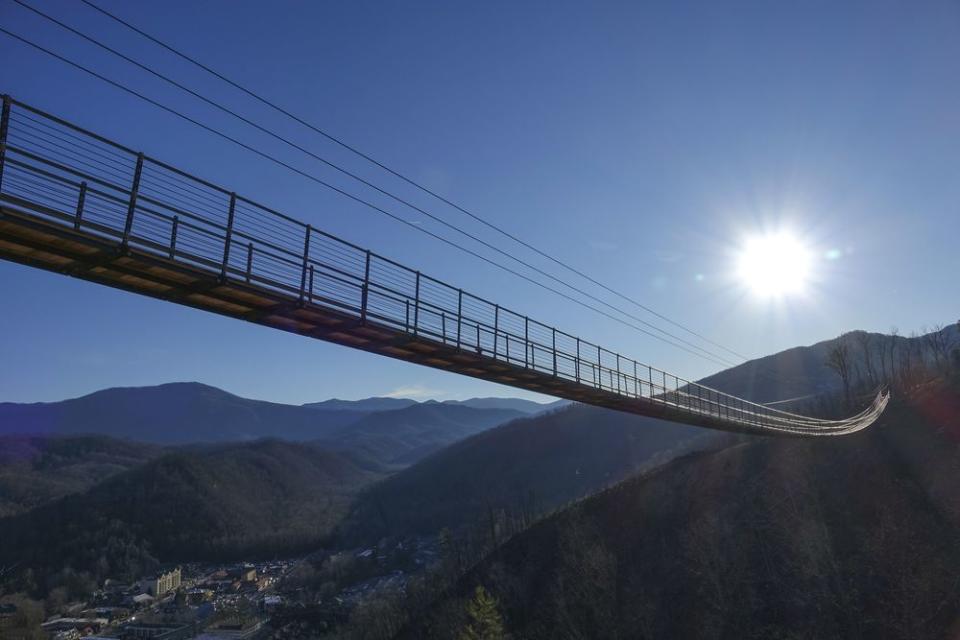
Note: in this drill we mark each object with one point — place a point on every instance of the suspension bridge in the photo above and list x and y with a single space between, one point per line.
76 203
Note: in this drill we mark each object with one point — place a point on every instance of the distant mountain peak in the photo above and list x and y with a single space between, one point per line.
366 404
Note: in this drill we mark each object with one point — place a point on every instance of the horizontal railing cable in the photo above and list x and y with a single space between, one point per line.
323 270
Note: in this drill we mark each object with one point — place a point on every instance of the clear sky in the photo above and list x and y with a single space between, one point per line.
641 142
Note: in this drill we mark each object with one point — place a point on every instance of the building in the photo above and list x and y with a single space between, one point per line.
8 615
232 630
72 628
147 631
245 573
140 600
162 583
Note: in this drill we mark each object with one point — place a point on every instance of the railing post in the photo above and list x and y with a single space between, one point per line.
554 351
81 199
459 315
416 308
496 328
443 326
226 241
132 206
365 292
249 259
4 128
306 257
310 285
173 237
578 361
599 370
526 343
636 383
618 374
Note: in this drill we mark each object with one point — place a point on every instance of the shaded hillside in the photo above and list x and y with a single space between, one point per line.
401 437
803 371
35 470
532 464
170 414
258 498
855 537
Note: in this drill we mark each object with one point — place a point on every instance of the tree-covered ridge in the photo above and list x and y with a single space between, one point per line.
255 499
525 467
854 537
35 470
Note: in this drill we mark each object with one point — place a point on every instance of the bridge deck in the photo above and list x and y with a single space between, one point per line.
33 240
76 203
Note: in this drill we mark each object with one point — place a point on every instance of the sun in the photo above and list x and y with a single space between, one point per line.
775 265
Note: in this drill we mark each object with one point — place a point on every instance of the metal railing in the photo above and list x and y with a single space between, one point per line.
79 179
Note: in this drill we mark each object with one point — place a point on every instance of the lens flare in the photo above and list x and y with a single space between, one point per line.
775 265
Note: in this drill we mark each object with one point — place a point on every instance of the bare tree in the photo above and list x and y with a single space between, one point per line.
892 353
955 353
908 359
865 340
937 342
841 362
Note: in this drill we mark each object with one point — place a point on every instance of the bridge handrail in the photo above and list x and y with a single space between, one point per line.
168 211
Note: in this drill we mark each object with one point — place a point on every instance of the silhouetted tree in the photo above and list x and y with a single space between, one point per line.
865 340
892 355
840 360
956 354
937 341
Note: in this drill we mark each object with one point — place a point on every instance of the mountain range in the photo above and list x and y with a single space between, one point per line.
355 473
187 412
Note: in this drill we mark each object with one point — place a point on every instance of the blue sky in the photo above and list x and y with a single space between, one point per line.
640 143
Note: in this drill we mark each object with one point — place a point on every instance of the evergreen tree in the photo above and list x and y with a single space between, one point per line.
485 620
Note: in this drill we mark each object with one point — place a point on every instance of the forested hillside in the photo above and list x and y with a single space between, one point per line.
523 468
401 437
245 500
869 359
857 537
35 469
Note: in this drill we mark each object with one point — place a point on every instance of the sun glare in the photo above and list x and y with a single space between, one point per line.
774 265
